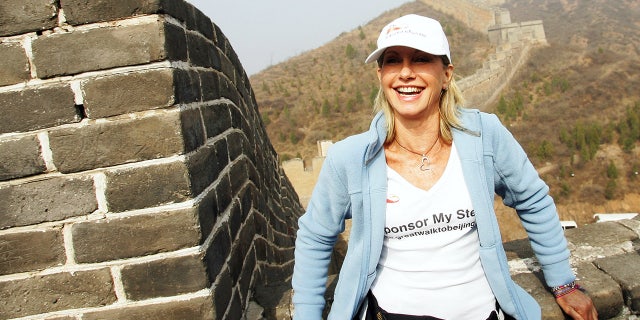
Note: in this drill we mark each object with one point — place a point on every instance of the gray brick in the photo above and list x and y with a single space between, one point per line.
618 267
20 157
203 165
22 16
209 84
129 92
196 308
37 108
235 308
603 290
217 119
609 234
15 65
82 11
31 251
192 129
222 293
98 49
202 53
164 278
202 24
208 214
135 236
216 254
52 199
143 187
120 141
53 292
187 84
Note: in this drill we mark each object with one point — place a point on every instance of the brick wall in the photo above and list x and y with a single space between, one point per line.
136 177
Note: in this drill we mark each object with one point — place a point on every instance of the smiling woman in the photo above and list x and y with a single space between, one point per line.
426 162
267 32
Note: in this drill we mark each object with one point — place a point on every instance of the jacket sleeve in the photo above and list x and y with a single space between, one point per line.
318 230
519 185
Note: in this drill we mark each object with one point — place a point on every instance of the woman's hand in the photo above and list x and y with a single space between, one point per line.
578 305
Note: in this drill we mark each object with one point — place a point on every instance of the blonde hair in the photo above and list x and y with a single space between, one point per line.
451 100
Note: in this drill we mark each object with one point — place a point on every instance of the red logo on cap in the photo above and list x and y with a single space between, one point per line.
394 28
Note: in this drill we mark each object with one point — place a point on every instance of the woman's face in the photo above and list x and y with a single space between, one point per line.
412 81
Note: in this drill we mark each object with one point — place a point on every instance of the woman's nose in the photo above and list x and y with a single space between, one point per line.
406 72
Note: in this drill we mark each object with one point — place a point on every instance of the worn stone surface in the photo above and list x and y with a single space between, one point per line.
52 199
81 12
533 284
117 141
71 53
223 294
275 299
609 233
135 236
59 291
150 186
205 162
147 105
164 278
20 157
31 250
128 92
623 269
602 288
613 238
192 129
37 107
22 16
15 65
196 308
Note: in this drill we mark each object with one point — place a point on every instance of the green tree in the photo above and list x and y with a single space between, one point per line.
326 108
611 189
612 171
545 150
350 51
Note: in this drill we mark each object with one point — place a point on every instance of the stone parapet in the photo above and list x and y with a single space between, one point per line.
137 179
606 259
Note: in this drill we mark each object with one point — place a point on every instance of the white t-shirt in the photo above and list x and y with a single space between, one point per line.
430 263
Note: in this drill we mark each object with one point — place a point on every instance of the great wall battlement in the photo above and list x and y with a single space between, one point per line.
137 180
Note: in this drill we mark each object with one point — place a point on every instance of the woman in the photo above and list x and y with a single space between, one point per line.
419 188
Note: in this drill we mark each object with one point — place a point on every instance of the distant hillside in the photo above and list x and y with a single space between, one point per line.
575 106
327 93
579 105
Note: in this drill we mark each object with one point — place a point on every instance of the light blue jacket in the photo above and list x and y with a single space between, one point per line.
353 185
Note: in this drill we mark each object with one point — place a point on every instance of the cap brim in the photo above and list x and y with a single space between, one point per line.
375 55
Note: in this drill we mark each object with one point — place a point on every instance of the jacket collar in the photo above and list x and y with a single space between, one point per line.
377 135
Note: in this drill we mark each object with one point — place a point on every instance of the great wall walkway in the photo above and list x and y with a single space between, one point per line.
605 256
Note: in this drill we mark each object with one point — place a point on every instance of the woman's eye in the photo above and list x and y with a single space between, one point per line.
391 60
423 59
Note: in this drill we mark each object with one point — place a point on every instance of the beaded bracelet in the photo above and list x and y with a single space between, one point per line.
565 289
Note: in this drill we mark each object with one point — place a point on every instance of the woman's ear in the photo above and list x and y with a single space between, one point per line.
448 73
379 72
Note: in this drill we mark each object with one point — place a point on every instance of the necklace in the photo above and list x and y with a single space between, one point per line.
425 161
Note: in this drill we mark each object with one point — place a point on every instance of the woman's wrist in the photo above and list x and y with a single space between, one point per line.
565 289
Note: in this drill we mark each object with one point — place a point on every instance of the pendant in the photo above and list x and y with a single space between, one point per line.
425 166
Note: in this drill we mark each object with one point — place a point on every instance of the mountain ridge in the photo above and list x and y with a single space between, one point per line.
573 105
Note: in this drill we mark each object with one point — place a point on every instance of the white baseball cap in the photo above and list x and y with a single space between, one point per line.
414 31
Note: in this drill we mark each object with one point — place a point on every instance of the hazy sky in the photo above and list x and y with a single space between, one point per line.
266 32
